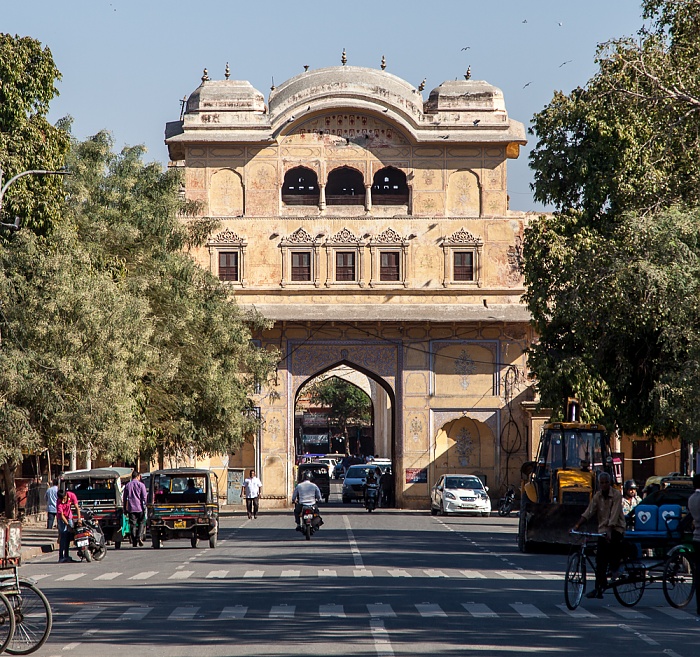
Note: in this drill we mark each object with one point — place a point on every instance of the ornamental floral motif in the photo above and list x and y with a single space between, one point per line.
226 237
273 428
299 236
344 236
463 236
465 446
464 366
416 428
389 236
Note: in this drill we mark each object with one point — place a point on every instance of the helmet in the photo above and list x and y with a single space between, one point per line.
308 475
630 484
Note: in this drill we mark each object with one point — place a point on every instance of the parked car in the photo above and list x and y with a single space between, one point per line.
354 483
459 493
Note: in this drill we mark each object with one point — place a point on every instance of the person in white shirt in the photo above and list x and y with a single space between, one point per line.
251 489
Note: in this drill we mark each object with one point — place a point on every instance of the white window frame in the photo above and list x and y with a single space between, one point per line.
299 241
228 242
344 240
388 241
462 241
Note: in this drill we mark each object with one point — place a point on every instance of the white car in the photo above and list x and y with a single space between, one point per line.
459 493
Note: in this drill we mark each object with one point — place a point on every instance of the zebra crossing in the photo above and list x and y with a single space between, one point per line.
372 610
349 572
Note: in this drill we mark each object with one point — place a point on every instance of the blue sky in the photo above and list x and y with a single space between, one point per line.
127 63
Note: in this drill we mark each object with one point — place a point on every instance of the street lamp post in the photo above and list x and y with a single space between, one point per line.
36 172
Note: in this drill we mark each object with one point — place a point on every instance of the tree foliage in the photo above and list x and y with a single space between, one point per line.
613 276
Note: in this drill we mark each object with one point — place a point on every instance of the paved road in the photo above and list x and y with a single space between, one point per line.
387 583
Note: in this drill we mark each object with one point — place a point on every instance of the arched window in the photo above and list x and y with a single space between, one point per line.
300 187
345 187
389 187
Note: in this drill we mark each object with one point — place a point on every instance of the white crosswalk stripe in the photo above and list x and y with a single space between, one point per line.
182 574
479 610
528 611
434 573
362 572
217 574
630 614
290 573
85 615
232 613
183 613
282 611
509 574
428 610
398 573
381 610
579 612
146 574
549 576
473 574
36 578
135 614
327 573
254 573
331 611
70 578
107 576
676 613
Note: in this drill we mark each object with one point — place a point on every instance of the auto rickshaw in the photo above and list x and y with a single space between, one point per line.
320 476
183 503
100 491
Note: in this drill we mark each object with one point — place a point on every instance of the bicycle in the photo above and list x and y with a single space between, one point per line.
628 588
29 619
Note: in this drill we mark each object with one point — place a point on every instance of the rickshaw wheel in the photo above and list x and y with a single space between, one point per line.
678 580
630 589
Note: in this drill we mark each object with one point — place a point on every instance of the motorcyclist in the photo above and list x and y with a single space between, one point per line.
630 499
372 481
306 493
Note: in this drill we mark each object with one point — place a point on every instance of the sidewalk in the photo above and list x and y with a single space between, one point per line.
36 539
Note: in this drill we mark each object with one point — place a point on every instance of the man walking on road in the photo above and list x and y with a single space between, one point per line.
251 489
694 508
51 498
135 505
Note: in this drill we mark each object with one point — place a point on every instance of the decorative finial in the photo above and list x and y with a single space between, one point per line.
343 58
306 68
272 88
227 74
421 86
468 74
205 76
383 63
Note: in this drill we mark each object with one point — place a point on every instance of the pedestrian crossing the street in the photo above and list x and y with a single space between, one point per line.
474 610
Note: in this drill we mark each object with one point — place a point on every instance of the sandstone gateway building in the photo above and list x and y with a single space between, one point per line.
372 226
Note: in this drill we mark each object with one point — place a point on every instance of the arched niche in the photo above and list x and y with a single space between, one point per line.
389 187
345 186
463 194
466 446
226 194
300 187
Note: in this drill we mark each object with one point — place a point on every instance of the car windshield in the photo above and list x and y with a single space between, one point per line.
359 471
180 488
464 483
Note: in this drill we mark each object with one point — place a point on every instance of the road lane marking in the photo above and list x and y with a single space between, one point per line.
86 614
107 576
528 611
282 611
290 573
254 573
135 613
382 644
146 574
678 614
381 610
549 576
431 572
331 611
428 610
509 574
398 573
70 578
182 574
473 574
327 573
629 614
479 610
357 557
233 613
579 612
70 646
217 574
183 613
36 578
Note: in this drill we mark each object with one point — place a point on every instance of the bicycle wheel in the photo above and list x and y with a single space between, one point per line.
7 622
629 589
575 582
678 580
33 619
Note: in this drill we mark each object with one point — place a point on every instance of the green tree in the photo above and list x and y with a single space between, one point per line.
612 276
346 403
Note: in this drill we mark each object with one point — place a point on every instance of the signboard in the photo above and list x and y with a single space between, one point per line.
416 475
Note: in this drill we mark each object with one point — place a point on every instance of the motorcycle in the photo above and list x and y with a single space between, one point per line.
371 497
506 503
310 520
89 539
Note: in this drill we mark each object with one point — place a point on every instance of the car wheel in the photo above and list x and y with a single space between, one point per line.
433 510
346 500
485 514
442 509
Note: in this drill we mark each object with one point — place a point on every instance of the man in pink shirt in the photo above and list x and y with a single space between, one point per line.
65 502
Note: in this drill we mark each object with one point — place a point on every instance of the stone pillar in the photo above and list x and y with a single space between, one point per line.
322 197
368 198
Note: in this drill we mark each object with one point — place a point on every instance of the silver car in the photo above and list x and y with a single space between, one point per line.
459 493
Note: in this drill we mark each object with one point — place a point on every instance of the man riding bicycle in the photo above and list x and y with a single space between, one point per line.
606 505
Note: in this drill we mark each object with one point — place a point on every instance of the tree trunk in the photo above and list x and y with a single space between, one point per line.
8 474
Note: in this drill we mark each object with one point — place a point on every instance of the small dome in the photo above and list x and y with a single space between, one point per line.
465 96
226 96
